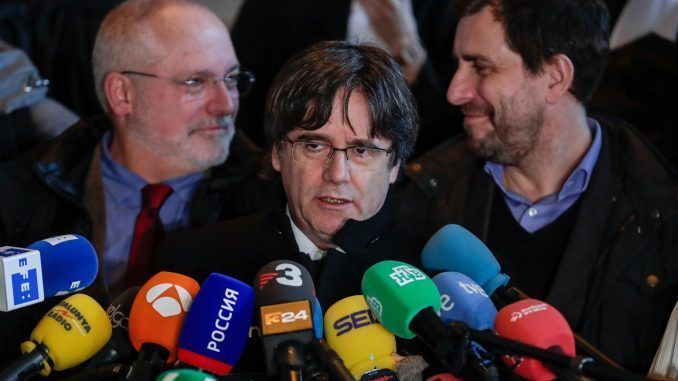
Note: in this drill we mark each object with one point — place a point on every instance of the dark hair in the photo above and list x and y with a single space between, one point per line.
539 29
305 88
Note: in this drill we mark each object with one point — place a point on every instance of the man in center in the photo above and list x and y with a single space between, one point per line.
340 120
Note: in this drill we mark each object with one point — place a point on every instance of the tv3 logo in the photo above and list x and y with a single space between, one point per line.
286 274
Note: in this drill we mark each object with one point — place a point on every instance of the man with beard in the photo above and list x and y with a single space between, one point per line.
164 159
579 211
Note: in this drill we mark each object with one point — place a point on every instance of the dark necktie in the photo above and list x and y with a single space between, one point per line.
148 231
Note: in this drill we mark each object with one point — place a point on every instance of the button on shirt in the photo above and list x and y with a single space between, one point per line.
122 195
534 216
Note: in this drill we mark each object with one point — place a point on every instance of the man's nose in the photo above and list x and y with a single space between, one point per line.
462 87
223 101
338 168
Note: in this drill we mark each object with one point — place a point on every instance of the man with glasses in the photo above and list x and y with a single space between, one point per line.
340 119
166 157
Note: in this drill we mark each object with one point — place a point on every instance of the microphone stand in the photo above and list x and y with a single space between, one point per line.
582 366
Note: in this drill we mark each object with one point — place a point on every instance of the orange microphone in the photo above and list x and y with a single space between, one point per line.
155 321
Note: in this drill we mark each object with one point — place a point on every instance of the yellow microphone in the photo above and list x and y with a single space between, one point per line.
69 334
354 333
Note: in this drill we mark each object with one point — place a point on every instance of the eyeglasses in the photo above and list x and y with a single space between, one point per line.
198 85
359 158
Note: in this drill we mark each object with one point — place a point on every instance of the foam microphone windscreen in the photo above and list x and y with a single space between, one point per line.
354 333
453 248
463 300
538 324
396 292
69 263
283 281
216 327
284 296
318 319
159 309
72 331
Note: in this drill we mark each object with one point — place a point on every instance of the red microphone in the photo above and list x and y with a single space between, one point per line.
540 325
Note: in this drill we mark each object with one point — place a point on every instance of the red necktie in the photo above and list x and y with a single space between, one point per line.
148 231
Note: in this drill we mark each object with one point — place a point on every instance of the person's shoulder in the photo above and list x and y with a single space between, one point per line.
442 165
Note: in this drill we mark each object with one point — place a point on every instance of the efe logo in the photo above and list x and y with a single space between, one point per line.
166 305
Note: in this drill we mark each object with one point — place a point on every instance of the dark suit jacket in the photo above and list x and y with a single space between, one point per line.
240 247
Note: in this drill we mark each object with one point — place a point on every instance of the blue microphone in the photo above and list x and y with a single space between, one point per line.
216 327
69 261
463 300
318 326
51 267
453 248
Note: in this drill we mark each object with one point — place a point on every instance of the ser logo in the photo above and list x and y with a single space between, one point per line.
353 321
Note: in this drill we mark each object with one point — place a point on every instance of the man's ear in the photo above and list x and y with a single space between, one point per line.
560 72
275 157
119 93
393 176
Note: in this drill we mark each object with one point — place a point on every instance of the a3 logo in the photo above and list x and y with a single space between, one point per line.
167 305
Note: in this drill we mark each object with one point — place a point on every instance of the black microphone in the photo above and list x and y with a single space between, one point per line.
283 296
119 349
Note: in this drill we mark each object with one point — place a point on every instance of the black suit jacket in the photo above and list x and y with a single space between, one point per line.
241 246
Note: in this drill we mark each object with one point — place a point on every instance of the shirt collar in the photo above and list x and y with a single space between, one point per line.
579 178
304 243
124 186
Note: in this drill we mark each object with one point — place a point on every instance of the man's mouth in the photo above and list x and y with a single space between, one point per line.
332 200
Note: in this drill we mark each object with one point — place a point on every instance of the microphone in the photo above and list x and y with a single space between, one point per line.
216 327
69 334
283 293
58 255
540 325
318 326
354 333
51 267
406 302
184 375
463 300
155 321
119 349
453 248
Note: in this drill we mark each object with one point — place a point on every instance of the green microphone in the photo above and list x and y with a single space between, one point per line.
184 375
406 301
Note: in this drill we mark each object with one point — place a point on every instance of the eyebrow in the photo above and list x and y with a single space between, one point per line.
477 58
354 142
230 70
